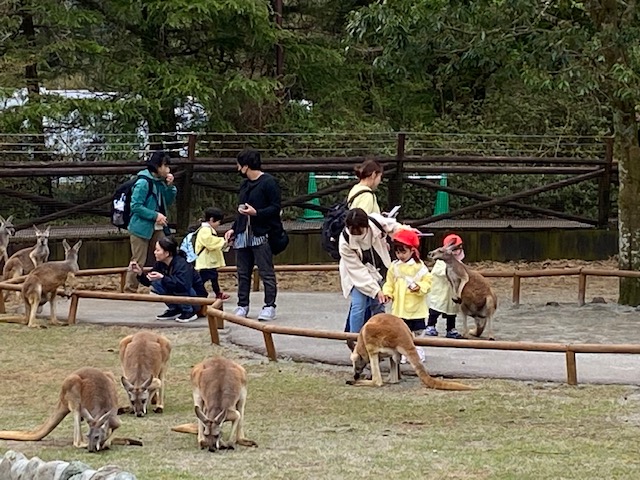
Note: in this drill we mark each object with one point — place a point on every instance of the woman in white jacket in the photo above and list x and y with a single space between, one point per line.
364 259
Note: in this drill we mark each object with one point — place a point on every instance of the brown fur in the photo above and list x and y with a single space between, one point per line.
7 230
145 357
387 335
471 290
42 283
24 261
219 395
87 393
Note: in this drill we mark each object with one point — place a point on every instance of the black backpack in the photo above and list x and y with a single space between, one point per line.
333 225
121 201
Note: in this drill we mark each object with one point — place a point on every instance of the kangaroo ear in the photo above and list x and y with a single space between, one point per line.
147 383
9 219
2 220
126 383
77 246
86 415
220 418
102 421
38 232
200 414
66 246
46 232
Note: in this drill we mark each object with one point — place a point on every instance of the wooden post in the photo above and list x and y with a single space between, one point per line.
604 185
213 328
123 281
271 348
2 307
73 310
582 288
516 290
395 182
256 281
184 186
572 373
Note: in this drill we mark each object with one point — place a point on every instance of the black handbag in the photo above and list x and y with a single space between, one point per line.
278 240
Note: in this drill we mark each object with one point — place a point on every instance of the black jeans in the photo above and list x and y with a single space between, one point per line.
210 274
260 256
433 319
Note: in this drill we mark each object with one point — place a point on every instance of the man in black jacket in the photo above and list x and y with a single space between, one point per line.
258 214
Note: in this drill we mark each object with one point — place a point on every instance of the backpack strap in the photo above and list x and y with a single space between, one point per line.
377 224
350 200
150 184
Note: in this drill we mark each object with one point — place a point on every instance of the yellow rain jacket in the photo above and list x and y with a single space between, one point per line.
407 304
211 245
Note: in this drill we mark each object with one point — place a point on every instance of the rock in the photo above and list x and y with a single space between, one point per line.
10 457
74 468
31 469
85 475
553 304
598 300
17 468
51 470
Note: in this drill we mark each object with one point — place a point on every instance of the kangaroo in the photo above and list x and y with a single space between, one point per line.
219 395
471 290
87 393
24 261
42 283
388 335
144 357
7 230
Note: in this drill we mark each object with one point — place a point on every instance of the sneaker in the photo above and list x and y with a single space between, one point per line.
453 333
223 296
267 313
431 331
168 315
186 317
403 360
421 354
241 311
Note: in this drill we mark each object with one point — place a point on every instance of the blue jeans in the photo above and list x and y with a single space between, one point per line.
160 290
362 308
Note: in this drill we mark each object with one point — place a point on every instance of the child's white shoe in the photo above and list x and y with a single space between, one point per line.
403 360
421 354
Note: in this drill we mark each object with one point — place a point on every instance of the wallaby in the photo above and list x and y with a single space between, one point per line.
7 230
471 290
24 261
144 357
42 283
387 335
87 393
219 395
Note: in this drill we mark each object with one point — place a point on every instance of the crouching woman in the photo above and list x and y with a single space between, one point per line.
172 275
364 260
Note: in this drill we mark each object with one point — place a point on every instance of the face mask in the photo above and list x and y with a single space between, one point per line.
242 174
459 255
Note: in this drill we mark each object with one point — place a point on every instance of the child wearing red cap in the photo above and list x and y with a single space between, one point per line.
408 282
440 297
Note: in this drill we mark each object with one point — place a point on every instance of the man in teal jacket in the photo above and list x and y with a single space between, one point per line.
149 210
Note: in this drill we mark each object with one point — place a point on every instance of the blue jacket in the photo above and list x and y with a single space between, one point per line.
145 210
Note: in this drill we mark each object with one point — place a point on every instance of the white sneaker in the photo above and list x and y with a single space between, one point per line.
403 360
421 354
241 311
267 313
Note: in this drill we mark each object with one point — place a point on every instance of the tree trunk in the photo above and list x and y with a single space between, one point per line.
628 211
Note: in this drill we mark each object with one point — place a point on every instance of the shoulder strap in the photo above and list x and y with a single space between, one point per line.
350 200
377 224
150 184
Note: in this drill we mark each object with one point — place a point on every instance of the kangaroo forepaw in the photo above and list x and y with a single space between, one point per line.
159 409
456 300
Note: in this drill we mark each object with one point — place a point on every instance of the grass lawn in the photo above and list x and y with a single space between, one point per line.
309 424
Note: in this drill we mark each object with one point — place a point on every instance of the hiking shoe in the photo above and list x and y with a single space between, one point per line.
241 311
431 331
267 313
186 317
453 333
223 296
169 314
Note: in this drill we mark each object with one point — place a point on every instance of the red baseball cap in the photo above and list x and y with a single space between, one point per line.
452 239
407 237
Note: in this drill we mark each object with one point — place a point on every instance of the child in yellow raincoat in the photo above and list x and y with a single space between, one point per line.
408 283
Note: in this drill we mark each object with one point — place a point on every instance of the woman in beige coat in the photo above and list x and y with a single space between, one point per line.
364 260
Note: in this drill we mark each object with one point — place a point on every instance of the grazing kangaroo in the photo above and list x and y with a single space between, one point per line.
144 357
42 283
87 393
471 290
24 261
219 395
387 335
7 230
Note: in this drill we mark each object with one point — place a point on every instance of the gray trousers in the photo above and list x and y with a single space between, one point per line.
261 257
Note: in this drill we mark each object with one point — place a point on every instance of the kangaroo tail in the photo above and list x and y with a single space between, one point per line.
186 428
428 380
42 431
